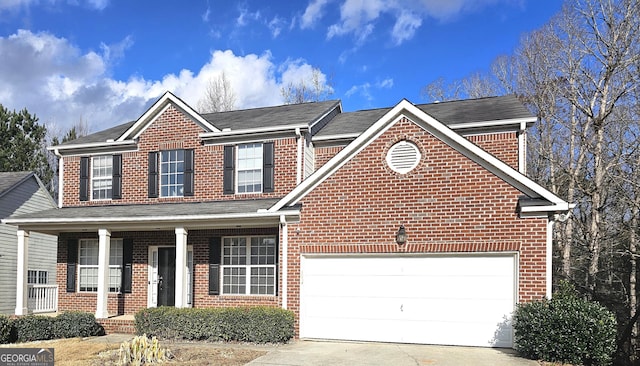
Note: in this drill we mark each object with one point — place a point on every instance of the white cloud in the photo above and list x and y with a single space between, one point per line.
360 17
312 13
17 4
275 26
246 16
385 84
61 84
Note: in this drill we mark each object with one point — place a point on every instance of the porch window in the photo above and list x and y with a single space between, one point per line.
101 177
249 265
36 277
88 265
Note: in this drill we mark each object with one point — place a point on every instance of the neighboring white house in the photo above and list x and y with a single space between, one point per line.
22 193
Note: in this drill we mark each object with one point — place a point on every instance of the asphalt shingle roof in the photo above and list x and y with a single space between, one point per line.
291 114
152 210
9 179
102 136
449 113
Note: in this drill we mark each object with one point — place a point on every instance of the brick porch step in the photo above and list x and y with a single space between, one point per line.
120 324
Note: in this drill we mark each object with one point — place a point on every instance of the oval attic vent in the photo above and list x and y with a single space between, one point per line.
403 157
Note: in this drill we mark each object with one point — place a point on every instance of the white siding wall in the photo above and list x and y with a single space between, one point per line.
28 197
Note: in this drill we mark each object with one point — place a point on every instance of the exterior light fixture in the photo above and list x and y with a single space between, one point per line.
401 236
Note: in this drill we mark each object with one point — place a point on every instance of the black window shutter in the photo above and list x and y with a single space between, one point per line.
215 251
229 170
153 174
267 169
72 264
127 265
188 172
84 178
116 181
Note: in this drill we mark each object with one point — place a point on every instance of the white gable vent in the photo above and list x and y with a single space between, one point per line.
403 157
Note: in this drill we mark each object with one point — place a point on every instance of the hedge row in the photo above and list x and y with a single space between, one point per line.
37 327
246 324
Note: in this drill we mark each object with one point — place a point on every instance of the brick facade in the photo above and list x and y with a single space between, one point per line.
174 130
448 204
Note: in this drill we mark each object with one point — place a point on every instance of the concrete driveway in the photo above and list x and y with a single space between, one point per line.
323 353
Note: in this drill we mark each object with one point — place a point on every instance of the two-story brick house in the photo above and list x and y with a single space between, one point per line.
414 223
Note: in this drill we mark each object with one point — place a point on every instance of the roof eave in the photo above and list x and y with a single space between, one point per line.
83 224
251 134
106 146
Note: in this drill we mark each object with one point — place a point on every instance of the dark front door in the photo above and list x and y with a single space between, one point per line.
166 276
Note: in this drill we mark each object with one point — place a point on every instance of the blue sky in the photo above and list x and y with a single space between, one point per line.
105 61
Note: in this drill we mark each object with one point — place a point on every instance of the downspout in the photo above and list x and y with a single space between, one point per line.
549 257
56 152
299 156
284 268
522 148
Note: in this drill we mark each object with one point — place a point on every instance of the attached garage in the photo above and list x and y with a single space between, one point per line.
448 299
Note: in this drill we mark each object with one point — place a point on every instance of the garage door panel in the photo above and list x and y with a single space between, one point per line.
457 300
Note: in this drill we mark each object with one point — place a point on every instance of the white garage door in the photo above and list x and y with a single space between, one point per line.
450 300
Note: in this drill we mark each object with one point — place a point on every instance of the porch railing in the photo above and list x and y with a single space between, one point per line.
42 298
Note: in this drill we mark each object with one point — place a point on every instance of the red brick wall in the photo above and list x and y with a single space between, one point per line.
447 204
137 299
502 145
173 130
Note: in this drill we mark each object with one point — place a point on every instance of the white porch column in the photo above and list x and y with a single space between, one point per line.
181 268
21 280
104 244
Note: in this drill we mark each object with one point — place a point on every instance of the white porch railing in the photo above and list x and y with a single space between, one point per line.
42 298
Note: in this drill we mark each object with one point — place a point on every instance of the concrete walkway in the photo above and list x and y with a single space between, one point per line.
320 353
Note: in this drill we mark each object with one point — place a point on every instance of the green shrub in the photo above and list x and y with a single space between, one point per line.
565 329
33 328
251 324
76 324
6 328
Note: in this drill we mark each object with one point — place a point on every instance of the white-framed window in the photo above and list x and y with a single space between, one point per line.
172 173
249 265
101 177
249 169
37 277
88 265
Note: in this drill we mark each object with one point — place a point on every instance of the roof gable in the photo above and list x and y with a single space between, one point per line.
10 180
156 109
443 133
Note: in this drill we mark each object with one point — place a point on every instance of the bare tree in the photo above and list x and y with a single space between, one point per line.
314 89
218 96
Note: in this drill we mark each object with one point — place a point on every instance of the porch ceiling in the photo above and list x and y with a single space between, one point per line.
151 217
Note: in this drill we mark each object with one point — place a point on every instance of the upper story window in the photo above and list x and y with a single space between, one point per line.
101 177
249 168
171 173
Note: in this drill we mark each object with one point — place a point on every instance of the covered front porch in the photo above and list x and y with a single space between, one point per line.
116 260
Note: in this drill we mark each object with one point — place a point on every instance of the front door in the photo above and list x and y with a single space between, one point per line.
166 276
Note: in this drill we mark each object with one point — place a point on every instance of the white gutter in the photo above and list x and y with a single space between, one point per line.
258 214
248 131
285 263
494 123
336 137
299 157
88 145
